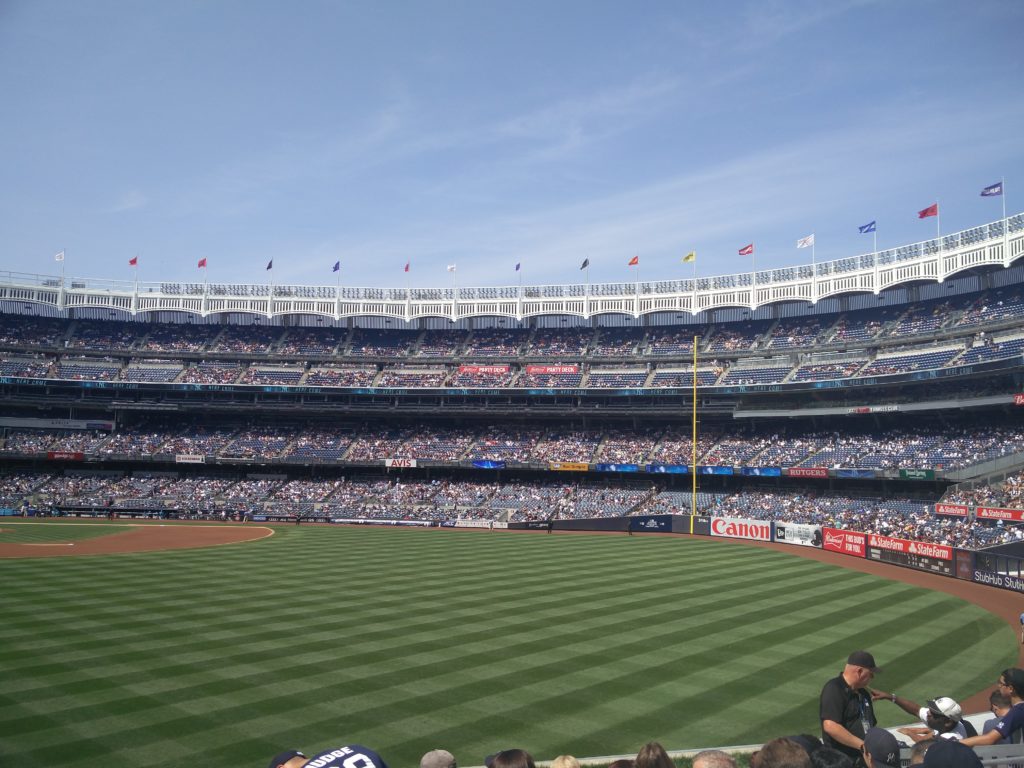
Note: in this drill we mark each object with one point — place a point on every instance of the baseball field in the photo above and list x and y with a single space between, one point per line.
406 640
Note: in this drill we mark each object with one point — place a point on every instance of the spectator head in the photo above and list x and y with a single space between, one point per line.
653 755
881 749
438 758
512 758
290 758
999 702
827 757
950 753
624 762
944 714
781 753
808 742
565 761
860 668
919 750
714 758
1011 682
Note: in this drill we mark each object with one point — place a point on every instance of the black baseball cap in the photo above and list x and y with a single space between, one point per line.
284 757
863 659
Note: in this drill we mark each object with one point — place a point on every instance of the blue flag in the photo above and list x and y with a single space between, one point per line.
993 191
585 264
270 264
518 265
867 228
337 266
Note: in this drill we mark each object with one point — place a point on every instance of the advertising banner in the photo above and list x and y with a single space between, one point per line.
569 466
861 474
807 472
798 533
714 470
952 510
668 469
917 474
1001 580
65 456
761 471
483 369
738 528
488 464
399 463
189 458
936 558
651 523
848 542
701 525
617 467
998 513
552 369
1018 399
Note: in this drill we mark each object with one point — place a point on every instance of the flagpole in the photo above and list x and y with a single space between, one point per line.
814 271
874 245
1006 223
693 502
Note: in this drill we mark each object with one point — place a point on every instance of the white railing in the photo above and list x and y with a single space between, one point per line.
999 243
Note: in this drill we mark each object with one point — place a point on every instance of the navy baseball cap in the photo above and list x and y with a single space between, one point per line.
284 757
883 747
950 753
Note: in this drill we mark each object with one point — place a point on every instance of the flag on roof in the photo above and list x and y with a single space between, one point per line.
336 267
993 190
635 261
690 257
747 250
270 264
133 261
202 263
451 267
407 266
585 264
59 256
931 210
867 228
805 242
518 265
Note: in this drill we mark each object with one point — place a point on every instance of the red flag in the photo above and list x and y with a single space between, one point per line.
747 250
634 261
931 210
407 266
202 263
133 261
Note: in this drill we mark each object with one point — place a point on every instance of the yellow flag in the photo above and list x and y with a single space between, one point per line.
691 256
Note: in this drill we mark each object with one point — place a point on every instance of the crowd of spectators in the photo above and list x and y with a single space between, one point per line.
512 501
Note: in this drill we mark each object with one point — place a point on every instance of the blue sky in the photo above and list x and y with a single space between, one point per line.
488 133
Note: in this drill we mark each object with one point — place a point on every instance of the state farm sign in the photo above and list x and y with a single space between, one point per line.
998 513
958 510
908 547
734 528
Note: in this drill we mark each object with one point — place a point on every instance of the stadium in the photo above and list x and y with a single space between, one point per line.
377 449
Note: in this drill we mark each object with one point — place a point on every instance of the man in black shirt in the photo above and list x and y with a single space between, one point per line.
845 706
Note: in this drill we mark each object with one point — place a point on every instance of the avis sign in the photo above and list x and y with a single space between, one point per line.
399 463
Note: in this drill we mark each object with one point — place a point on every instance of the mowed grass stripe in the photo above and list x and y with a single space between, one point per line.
398 638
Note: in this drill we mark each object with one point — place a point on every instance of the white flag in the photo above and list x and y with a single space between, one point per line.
805 242
451 267
59 256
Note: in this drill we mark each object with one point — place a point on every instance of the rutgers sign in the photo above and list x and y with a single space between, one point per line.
758 530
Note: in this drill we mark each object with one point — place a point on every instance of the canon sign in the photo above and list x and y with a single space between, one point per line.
741 529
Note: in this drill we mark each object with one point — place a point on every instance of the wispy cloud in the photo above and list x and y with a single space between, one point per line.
130 201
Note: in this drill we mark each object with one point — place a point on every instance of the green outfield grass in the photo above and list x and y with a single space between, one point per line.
407 640
54 532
